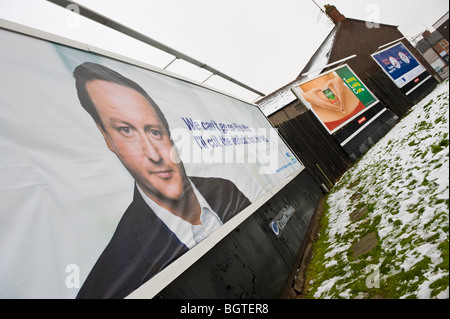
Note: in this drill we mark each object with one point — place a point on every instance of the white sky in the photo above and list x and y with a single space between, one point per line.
262 43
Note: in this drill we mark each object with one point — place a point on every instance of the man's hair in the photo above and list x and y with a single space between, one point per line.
89 71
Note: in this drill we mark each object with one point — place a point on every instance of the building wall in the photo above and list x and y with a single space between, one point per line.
442 46
289 112
442 27
355 37
435 61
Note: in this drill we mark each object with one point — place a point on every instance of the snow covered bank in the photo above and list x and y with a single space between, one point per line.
403 183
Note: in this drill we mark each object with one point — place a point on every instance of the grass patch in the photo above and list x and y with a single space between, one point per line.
405 282
443 248
428 105
436 148
439 285
389 191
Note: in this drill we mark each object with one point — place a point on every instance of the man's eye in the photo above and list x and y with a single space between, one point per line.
125 130
156 134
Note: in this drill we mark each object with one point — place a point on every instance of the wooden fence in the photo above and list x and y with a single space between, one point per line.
323 158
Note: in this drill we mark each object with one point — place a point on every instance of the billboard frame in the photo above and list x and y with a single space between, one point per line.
295 90
391 78
181 264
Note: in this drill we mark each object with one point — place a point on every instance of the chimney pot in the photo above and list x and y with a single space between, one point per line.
426 33
334 13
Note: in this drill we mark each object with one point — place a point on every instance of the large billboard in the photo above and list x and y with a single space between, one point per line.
335 97
110 172
399 64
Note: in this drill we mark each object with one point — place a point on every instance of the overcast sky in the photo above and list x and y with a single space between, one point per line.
262 43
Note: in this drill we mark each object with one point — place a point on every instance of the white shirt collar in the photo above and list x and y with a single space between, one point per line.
188 234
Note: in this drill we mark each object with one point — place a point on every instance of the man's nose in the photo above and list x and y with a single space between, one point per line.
150 150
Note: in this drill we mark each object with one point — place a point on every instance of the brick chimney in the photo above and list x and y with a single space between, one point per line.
426 33
334 13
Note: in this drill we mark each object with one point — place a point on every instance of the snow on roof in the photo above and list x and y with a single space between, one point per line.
320 59
277 101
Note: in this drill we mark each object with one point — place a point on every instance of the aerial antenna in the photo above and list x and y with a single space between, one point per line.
322 11
318 6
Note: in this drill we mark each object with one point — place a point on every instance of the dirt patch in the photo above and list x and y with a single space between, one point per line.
358 213
356 196
364 245
353 184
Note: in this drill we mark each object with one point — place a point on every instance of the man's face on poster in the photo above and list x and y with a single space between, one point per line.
134 132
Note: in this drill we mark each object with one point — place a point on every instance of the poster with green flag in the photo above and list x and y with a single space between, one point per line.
358 88
336 97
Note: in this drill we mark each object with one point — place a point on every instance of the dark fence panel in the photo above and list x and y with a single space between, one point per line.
422 91
393 97
252 262
315 147
370 135
389 94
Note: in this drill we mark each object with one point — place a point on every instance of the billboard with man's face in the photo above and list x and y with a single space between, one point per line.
112 172
335 97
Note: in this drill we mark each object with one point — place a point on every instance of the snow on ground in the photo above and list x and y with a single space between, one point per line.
404 182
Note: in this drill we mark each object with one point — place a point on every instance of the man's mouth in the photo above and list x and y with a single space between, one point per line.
163 174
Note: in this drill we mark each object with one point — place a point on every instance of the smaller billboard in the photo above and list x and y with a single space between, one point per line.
399 64
335 97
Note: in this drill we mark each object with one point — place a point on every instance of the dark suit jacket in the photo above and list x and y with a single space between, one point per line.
143 245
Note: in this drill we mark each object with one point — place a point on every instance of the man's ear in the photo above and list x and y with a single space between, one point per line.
105 137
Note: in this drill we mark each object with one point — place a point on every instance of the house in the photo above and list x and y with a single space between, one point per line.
351 42
349 37
442 26
434 48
